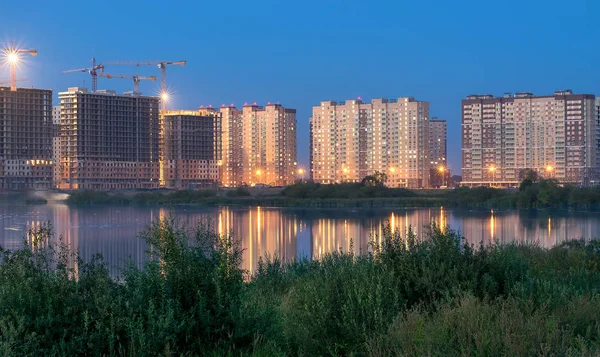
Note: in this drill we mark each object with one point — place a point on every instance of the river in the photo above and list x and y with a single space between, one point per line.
289 233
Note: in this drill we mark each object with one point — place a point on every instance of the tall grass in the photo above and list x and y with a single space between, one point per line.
406 297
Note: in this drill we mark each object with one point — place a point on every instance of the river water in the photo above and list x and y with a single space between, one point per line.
289 233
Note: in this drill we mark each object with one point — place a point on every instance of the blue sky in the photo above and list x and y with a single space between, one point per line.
299 53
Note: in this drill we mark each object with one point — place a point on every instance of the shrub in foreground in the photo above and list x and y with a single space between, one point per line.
405 296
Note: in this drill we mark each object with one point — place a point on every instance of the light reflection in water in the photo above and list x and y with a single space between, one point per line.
286 233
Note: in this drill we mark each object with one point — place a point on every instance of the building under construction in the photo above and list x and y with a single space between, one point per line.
191 148
108 140
25 138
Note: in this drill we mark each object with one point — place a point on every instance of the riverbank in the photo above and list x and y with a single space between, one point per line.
408 297
542 194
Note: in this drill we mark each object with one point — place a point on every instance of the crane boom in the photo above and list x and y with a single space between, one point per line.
162 65
136 79
93 71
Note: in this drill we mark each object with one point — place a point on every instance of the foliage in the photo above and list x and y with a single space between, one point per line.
404 296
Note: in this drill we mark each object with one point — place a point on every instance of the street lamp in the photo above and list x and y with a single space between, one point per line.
442 171
301 173
493 171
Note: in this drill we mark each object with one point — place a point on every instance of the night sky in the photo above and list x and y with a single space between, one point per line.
299 53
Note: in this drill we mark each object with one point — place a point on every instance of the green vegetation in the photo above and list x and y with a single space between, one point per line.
434 297
532 193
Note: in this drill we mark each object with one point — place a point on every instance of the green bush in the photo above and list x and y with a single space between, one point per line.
405 297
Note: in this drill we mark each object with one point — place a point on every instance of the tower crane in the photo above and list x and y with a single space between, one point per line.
10 81
12 57
93 71
162 65
136 79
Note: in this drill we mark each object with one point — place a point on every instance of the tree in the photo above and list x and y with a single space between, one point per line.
529 174
377 179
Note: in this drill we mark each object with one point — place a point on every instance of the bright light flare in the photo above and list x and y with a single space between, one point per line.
442 169
258 172
164 96
392 169
549 168
12 58
301 171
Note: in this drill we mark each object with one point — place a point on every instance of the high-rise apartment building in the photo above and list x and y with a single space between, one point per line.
56 146
437 153
555 135
191 152
108 141
259 145
352 139
25 138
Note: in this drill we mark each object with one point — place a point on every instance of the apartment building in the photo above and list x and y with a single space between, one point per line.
555 135
191 151
108 140
56 146
352 139
438 169
25 138
259 145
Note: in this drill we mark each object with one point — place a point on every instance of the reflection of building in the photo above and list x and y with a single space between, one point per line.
555 135
25 138
191 148
259 145
438 169
352 139
108 141
56 146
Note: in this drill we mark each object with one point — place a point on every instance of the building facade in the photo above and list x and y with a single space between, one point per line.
350 140
439 172
25 138
108 141
56 146
191 150
554 135
259 145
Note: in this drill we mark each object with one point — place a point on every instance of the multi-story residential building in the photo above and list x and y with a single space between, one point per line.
555 135
108 141
259 145
191 152
25 138
439 172
56 146
352 139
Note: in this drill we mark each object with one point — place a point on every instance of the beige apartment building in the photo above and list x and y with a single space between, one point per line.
438 167
555 135
191 150
350 140
25 138
108 140
259 145
56 146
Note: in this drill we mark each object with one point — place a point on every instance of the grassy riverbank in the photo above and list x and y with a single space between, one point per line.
407 298
545 193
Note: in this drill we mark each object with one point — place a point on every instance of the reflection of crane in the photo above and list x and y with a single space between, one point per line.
93 71
16 80
160 64
136 79
11 57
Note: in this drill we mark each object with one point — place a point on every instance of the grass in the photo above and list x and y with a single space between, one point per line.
407 297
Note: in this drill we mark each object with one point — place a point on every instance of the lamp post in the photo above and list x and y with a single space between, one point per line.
493 171
301 172
442 171
549 170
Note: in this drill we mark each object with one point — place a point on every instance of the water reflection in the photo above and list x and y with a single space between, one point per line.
285 232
